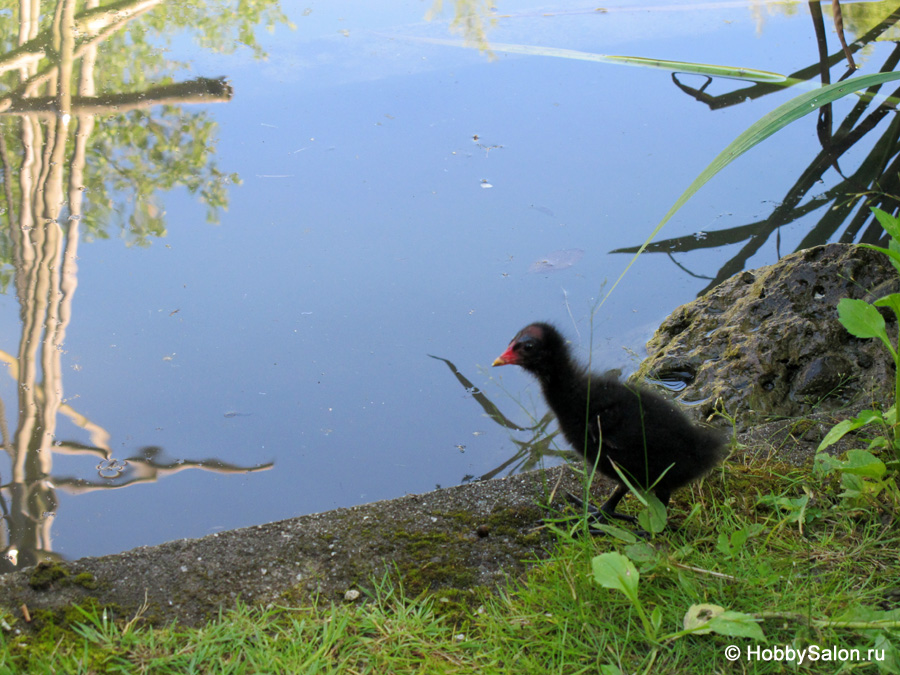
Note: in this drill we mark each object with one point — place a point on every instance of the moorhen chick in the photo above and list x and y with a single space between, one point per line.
647 437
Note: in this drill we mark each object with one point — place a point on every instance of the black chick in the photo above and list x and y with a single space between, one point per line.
649 439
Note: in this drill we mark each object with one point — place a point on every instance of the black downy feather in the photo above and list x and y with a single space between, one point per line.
650 440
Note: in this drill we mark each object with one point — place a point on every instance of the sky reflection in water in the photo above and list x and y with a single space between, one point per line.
277 363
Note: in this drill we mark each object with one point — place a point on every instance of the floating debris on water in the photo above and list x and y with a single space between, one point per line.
556 261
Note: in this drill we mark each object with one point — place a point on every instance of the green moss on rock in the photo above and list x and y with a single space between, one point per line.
47 573
85 580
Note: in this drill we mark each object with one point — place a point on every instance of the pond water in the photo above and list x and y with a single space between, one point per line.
227 302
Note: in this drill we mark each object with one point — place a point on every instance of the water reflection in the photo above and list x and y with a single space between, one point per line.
97 122
530 451
89 133
845 204
471 18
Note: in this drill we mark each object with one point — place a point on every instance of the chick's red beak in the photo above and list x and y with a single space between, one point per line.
507 357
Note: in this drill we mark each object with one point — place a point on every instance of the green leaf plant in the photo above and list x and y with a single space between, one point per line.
615 571
864 320
864 476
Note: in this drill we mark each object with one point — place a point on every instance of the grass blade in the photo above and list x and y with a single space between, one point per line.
776 120
708 69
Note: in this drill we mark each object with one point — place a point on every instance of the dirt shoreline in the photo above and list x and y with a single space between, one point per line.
458 539
454 538
448 542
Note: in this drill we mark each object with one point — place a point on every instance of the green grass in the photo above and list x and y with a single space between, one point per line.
822 576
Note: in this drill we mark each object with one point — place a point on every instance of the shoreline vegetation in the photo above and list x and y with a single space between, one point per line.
765 542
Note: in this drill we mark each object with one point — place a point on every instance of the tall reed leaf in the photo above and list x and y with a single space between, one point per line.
710 69
760 131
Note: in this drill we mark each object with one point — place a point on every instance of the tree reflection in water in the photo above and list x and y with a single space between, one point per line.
92 127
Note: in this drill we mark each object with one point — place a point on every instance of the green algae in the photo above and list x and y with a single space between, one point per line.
50 572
